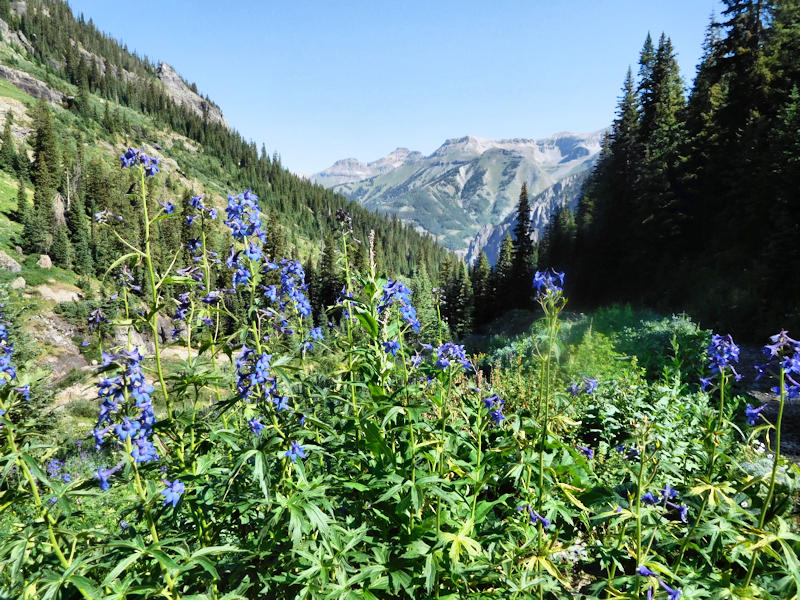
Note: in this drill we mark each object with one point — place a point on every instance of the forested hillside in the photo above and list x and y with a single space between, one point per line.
96 98
694 202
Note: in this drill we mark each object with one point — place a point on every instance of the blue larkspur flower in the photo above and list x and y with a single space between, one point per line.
102 475
753 415
548 282
588 452
644 571
391 347
173 491
256 426
295 451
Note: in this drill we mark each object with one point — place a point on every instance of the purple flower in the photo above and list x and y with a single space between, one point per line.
644 571
391 347
534 516
649 498
548 282
169 208
172 493
587 451
591 385
256 426
752 415
295 451
102 475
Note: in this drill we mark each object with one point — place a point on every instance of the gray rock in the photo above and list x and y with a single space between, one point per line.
58 293
18 284
18 250
30 85
138 340
15 37
8 263
182 94
44 261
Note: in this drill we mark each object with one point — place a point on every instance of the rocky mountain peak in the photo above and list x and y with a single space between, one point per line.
180 92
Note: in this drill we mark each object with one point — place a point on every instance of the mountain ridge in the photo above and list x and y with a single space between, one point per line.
468 187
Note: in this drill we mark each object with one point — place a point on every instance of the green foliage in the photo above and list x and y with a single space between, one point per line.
687 208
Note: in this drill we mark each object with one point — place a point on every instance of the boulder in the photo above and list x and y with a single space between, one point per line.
18 250
45 262
8 263
58 293
18 284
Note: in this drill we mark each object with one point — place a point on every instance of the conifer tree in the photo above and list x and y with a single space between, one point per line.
425 304
330 283
523 263
481 289
24 211
61 250
8 152
502 273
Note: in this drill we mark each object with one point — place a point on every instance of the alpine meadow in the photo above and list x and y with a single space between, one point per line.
565 367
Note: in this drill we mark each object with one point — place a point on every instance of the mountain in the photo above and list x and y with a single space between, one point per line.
99 98
465 193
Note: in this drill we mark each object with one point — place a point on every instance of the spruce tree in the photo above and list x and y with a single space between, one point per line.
481 289
523 262
502 274
24 211
8 152
330 283
61 250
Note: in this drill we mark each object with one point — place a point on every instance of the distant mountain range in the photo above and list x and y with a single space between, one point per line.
466 192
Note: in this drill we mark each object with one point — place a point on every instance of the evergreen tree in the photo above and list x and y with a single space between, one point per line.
330 283
24 212
424 302
502 274
61 250
8 152
524 261
481 289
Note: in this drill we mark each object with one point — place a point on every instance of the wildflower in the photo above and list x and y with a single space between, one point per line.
548 282
591 385
54 468
133 157
127 429
194 245
2 412
169 208
587 451
281 403
96 317
196 202
644 571
649 498
256 426
534 516
24 391
102 475
672 594
143 451
574 389
669 493
449 352
391 347
190 219
123 524
67 478
396 293
752 415
722 353
172 493
295 450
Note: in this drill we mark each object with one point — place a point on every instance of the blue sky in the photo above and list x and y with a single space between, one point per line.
318 81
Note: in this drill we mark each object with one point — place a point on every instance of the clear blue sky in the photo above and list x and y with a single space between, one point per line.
322 80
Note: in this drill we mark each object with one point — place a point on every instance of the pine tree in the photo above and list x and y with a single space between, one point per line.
523 263
502 274
8 152
424 302
61 249
330 283
24 211
481 289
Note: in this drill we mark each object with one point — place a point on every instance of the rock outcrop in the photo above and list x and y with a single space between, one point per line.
8 263
182 94
30 85
44 261
15 37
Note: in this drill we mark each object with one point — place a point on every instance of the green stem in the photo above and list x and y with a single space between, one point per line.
771 490
154 293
